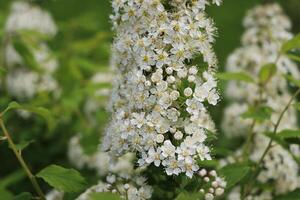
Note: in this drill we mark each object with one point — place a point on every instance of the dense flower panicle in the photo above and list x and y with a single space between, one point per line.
22 82
160 95
267 28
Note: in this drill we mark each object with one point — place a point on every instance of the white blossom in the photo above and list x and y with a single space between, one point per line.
267 28
161 95
22 82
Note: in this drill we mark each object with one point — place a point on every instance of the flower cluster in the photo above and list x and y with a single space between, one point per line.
267 28
28 22
135 190
160 94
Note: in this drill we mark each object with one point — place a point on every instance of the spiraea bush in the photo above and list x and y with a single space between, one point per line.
126 99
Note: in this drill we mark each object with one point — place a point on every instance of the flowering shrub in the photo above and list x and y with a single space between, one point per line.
137 110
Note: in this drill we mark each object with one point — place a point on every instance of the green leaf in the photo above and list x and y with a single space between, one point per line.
23 144
260 113
293 57
234 173
277 139
26 54
23 196
292 80
208 163
67 180
43 112
292 44
5 194
266 72
294 195
290 136
189 196
297 106
237 76
104 195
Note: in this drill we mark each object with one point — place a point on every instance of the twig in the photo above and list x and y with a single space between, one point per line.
21 161
277 125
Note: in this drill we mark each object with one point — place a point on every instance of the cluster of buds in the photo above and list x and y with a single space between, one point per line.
216 184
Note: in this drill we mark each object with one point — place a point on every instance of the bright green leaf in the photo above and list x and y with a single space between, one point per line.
104 195
266 72
294 195
234 173
237 76
260 114
292 44
67 180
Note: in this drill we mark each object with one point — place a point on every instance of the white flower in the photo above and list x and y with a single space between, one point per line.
266 29
21 82
184 152
168 149
194 107
154 81
24 16
154 156
188 91
189 167
172 166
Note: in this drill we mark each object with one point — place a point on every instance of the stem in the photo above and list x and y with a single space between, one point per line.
277 125
249 140
251 132
21 161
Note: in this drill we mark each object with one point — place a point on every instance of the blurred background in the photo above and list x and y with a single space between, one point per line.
82 50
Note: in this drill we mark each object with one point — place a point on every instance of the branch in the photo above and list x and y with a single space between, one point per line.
21 161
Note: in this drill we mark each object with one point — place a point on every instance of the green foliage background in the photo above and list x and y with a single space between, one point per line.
83 47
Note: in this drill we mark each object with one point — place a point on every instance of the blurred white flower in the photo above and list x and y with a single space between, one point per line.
267 28
22 82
